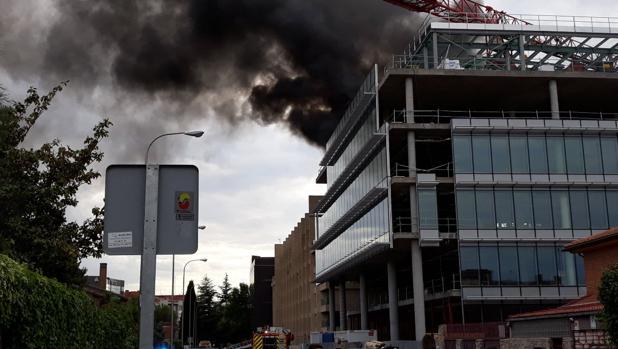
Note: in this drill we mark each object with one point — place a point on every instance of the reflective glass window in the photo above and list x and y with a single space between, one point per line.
490 273
581 273
462 153
485 215
519 154
509 271
428 208
469 265
505 212
567 271
575 160
538 154
612 200
524 216
609 146
481 153
579 209
500 156
598 210
561 209
592 155
542 209
527 265
555 154
547 265
466 209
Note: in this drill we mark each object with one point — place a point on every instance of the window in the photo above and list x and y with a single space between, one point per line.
612 198
555 154
428 208
509 273
579 209
519 154
542 209
524 217
609 147
527 265
598 210
538 154
575 160
547 265
490 274
482 154
485 215
462 152
592 155
567 271
561 209
581 273
466 209
505 215
470 266
500 156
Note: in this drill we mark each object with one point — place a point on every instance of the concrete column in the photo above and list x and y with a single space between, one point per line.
419 290
409 100
331 306
393 301
436 59
553 98
425 58
363 302
343 311
522 52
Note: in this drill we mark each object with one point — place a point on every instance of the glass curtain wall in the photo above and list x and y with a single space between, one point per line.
535 154
541 209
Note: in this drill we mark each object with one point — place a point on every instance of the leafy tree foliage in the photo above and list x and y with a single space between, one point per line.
235 322
208 310
226 288
608 296
189 314
37 187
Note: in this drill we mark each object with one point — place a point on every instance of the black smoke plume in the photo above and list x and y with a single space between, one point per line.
298 61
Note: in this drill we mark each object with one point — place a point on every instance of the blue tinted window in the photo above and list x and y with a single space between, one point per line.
567 271
555 154
579 209
462 152
485 215
519 154
538 154
524 216
609 147
500 158
466 209
581 273
547 265
592 155
561 209
527 265
509 271
612 200
542 209
575 160
598 210
482 154
428 208
490 274
470 266
505 215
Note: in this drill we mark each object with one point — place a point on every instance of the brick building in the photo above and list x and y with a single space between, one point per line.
575 324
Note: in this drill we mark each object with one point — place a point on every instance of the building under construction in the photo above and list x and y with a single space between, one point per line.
461 169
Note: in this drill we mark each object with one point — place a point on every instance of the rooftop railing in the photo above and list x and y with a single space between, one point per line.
440 116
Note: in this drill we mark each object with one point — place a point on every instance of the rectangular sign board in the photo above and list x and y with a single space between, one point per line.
177 221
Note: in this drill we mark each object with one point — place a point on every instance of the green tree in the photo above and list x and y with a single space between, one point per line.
37 187
226 288
608 296
235 321
207 310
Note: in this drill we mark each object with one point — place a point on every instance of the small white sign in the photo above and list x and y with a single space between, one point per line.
120 239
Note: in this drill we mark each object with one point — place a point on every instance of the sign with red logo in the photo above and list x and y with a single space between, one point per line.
184 206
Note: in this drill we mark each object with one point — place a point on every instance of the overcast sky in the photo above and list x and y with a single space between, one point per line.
259 160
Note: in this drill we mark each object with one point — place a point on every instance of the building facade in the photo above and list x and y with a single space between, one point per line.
262 272
459 172
295 294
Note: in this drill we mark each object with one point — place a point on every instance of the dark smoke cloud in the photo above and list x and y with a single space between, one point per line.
299 61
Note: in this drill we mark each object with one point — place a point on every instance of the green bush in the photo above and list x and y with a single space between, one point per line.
608 296
37 312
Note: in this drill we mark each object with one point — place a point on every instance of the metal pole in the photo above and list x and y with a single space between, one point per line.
173 302
184 270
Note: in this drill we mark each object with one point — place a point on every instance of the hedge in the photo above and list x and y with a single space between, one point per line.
37 312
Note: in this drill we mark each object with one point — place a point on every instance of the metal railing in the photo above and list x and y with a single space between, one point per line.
444 170
442 116
404 225
432 287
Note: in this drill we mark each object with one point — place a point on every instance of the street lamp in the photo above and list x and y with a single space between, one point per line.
184 269
149 253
